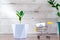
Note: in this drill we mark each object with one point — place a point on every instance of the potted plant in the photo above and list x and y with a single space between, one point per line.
20 30
56 5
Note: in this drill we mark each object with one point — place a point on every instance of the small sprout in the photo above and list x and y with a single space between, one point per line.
20 14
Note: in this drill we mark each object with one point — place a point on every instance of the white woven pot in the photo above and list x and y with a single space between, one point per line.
20 30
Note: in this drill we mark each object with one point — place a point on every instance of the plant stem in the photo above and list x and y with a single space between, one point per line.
20 22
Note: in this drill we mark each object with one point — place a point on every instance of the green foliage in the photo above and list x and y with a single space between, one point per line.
55 5
58 13
20 14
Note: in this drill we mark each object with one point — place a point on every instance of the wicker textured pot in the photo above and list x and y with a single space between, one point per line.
20 30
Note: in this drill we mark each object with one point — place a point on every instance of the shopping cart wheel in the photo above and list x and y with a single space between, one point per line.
38 37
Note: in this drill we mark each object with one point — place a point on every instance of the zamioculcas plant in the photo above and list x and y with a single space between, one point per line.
56 5
20 30
20 14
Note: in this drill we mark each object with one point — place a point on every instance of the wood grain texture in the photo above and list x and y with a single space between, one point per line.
30 37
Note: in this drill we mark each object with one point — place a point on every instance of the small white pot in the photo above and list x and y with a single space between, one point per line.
20 30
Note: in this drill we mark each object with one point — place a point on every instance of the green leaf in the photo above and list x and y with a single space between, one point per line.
58 13
53 6
17 13
57 6
50 2
21 13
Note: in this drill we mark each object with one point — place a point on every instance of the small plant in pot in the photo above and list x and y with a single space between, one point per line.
56 5
20 30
